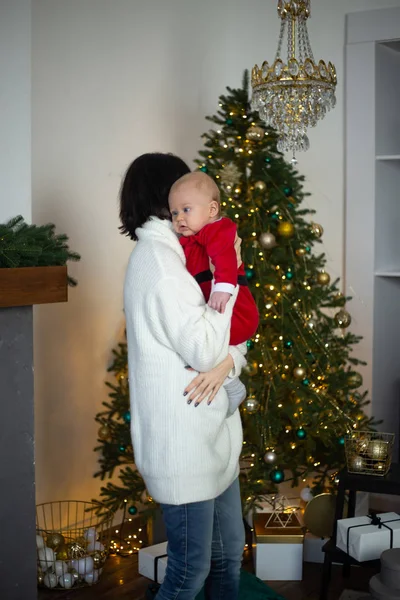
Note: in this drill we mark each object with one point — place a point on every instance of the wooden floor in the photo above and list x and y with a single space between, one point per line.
120 581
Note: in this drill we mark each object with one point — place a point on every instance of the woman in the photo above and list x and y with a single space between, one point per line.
188 453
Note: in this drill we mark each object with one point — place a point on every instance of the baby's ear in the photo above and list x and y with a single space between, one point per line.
214 208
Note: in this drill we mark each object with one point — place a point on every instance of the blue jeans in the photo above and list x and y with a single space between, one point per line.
205 547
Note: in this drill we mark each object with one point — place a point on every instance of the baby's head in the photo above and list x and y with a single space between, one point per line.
193 202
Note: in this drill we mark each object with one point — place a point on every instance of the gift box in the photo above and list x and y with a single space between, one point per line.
365 538
278 547
153 562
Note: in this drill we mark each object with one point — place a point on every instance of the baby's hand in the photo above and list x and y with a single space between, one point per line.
219 300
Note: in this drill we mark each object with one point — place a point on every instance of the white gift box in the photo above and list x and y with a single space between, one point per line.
152 559
277 551
364 541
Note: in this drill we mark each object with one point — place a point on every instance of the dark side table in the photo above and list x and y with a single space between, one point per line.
390 484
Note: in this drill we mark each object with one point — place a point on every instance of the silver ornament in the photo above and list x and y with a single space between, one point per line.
378 449
299 373
270 457
267 240
261 186
311 324
357 463
251 405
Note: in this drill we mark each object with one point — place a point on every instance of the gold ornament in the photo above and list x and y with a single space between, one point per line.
323 278
261 186
230 175
378 449
54 540
356 463
286 229
354 380
267 240
255 133
76 550
380 467
104 433
301 251
288 287
251 368
251 405
319 515
62 552
99 558
317 230
40 578
342 319
362 446
299 373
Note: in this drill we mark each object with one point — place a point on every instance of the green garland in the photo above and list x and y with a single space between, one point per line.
23 245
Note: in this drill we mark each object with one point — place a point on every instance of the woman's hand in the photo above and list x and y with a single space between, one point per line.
208 384
237 244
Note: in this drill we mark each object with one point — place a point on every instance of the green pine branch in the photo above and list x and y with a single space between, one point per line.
23 245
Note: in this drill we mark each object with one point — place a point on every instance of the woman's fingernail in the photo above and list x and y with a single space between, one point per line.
209 402
197 403
185 393
190 401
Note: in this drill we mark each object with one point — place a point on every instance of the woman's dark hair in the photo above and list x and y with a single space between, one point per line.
145 189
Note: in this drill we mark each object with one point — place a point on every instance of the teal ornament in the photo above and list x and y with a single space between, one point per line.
301 434
308 248
288 344
275 216
204 169
277 476
287 191
289 275
341 440
132 510
127 417
290 205
268 160
306 382
229 121
122 447
249 273
250 344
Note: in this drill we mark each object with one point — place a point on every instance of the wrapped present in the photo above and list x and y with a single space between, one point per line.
153 562
365 538
278 547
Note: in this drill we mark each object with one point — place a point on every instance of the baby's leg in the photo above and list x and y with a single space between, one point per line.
236 391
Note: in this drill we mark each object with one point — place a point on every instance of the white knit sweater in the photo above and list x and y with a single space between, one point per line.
185 454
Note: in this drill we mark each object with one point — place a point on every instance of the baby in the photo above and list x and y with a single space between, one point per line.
194 202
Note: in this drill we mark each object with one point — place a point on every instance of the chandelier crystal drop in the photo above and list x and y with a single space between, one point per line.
295 94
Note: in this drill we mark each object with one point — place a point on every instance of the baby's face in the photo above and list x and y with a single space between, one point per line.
191 209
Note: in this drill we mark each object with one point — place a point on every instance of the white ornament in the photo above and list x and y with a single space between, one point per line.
39 542
46 558
93 546
306 494
90 534
50 580
91 578
60 567
85 565
67 580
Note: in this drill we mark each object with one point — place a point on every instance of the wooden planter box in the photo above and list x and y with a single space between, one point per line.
33 285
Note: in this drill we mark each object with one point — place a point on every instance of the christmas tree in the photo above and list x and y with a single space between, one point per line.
301 377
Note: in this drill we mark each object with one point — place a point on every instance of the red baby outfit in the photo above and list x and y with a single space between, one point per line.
216 241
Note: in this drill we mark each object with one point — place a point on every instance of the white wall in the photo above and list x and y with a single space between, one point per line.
113 79
15 109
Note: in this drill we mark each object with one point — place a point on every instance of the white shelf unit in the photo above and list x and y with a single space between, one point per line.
372 273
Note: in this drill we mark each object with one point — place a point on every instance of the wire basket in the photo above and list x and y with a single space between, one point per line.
72 543
369 453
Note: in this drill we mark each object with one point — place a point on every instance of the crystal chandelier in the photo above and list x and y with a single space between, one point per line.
293 95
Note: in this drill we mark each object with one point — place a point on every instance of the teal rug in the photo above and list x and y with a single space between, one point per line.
252 588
